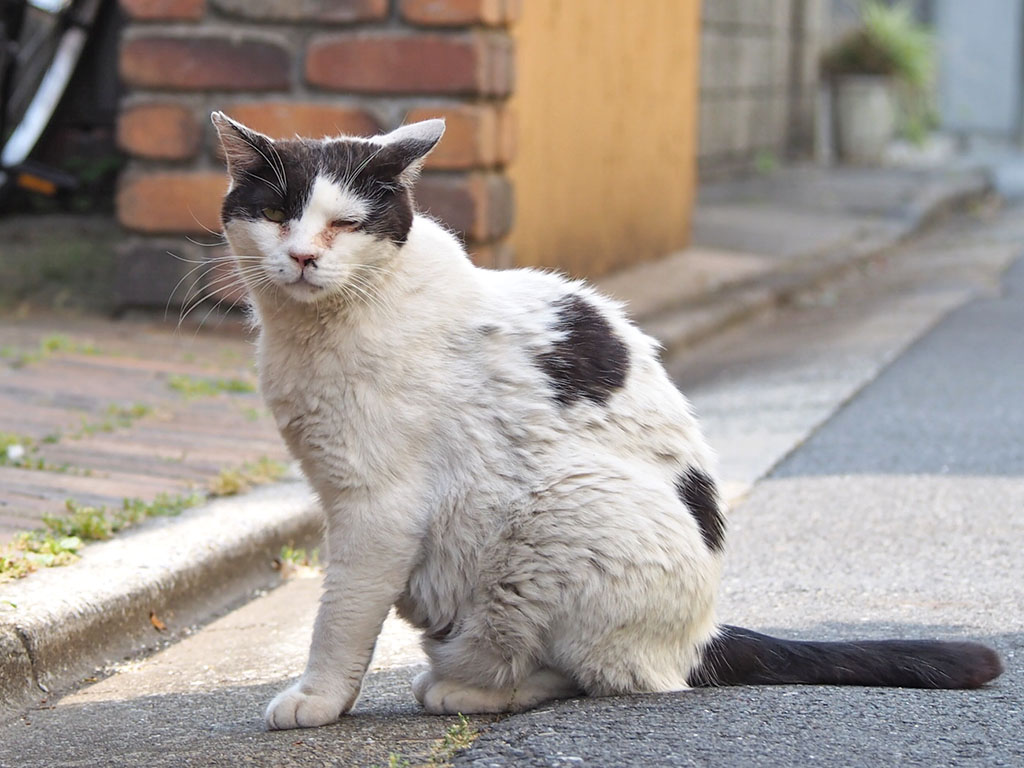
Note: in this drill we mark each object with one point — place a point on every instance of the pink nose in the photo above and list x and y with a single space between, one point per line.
302 259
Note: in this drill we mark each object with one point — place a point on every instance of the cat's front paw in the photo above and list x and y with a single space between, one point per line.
294 708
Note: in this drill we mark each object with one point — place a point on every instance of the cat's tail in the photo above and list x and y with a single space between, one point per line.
738 656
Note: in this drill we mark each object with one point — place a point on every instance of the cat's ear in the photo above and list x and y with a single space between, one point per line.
406 148
244 148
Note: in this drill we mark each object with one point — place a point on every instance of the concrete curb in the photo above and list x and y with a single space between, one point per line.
60 624
700 314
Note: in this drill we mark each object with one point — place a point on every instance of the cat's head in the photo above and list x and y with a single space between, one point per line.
313 217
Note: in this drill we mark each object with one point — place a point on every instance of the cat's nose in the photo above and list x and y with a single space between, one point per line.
302 259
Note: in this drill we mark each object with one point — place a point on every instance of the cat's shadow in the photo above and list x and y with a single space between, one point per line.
225 726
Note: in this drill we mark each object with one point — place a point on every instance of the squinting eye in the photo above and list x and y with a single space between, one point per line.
274 214
345 224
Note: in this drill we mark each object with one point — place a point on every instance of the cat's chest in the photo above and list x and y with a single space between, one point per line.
346 424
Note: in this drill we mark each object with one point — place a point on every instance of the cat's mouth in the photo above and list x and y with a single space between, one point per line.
305 285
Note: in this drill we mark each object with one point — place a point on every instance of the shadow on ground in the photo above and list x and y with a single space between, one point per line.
772 726
223 727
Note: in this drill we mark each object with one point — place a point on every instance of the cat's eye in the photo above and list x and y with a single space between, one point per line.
346 224
274 214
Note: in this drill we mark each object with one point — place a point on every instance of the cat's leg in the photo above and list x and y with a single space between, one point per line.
441 696
371 553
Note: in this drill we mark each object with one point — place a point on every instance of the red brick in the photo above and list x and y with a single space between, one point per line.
160 131
164 10
476 136
285 119
330 11
171 201
203 63
470 64
477 205
461 12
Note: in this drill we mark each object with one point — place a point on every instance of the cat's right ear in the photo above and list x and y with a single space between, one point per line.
244 148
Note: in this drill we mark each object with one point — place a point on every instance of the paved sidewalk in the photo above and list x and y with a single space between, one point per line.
757 244
98 411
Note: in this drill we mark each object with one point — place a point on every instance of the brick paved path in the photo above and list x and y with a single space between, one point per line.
94 400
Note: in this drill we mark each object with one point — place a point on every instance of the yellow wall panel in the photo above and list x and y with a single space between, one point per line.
605 101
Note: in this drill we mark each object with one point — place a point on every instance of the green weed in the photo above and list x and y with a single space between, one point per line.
49 345
20 451
37 549
457 738
116 416
191 387
229 482
299 556
396 761
62 536
253 414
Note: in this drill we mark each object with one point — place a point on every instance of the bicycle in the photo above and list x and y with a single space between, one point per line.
41 42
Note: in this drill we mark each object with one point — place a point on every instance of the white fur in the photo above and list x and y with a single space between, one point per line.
549 537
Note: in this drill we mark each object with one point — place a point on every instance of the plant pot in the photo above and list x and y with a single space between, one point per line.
865 111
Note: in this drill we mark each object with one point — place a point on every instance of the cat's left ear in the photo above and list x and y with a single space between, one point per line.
244 148
406 148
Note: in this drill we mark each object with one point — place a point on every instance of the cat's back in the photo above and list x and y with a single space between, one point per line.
582 369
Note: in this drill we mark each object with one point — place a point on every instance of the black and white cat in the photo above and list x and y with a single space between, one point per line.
499 454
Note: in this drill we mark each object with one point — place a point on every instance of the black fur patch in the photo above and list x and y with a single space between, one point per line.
372 171
697 491
590 362
742 657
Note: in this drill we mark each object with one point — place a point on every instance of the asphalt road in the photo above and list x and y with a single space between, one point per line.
902 516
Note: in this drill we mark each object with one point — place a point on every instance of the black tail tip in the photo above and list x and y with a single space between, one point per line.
981 665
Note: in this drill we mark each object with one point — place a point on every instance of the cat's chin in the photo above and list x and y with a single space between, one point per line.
305 292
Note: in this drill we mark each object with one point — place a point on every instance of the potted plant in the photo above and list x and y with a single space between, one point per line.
879 72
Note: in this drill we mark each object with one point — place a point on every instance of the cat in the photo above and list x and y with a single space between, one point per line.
499 454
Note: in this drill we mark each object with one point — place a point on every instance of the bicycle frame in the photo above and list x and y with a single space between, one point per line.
77 18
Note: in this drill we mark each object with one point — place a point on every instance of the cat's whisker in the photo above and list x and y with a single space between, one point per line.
282 175
202 226
211 310
223 293
188 292
178 257
231 274
371 276
275 187
371 290
282 184
222 284
362 166
222 241
226 282
361 288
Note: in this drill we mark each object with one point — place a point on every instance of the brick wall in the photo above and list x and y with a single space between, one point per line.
312 67
758 82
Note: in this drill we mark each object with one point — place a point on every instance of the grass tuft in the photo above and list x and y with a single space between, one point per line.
229 482
48 346
59 541
116 416
457 738
20 451
191 387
